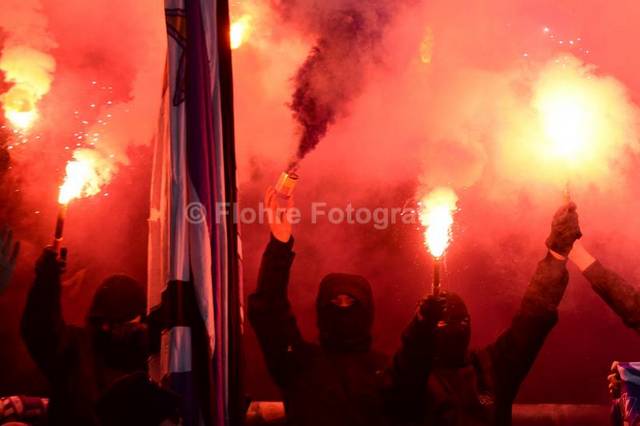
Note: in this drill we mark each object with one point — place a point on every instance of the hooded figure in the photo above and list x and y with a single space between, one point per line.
337 382
436 380
83 364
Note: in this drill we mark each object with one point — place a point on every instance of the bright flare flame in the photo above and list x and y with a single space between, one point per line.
436 215
240 31
20 119
568 119
30 73
578 111
86 174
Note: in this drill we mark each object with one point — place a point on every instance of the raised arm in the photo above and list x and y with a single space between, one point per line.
622 298
407 377
514 352
269 308
43 328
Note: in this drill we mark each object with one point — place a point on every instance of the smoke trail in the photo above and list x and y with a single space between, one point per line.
334 72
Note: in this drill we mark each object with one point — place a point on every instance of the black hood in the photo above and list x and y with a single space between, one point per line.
453 332
345 329
119 299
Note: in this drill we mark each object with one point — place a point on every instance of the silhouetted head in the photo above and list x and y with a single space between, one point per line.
345 312
119 299
453 332
116 320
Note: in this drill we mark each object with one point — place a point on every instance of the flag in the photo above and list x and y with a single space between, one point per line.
193 263
626 408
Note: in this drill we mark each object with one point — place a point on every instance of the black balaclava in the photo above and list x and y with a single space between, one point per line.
122 343
345 329
452 333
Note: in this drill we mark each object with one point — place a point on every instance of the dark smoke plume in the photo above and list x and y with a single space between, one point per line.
334 72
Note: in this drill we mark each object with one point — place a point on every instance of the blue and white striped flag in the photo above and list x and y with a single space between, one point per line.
192 267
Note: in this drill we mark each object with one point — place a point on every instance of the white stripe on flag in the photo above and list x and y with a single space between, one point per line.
179 356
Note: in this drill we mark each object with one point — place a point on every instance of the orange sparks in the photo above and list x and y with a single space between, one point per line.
436 215
86 174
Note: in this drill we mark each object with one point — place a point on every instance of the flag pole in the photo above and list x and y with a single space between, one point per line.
237 406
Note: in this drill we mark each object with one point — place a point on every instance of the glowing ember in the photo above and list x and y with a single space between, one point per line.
86 174
29 72
240 30
436 215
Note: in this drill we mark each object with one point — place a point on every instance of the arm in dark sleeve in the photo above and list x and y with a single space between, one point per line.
621 297
514 352
407 377
270 313
43 328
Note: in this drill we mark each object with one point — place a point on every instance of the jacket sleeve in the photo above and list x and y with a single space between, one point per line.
270 313
514 352
43 328
406 378
622 298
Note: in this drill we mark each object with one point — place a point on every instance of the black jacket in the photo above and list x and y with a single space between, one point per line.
482 392
621 297
319 386
80 393
63 353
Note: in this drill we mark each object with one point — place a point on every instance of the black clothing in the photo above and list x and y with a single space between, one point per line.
622 298
320 385
63 353
119 299
451 328
136 401
73 359
482 391
345 329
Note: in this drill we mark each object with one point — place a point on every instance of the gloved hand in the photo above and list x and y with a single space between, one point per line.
565 230
50 264
615 384
431 310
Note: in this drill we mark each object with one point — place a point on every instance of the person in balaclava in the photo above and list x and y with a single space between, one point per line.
104 358
337 382
436 380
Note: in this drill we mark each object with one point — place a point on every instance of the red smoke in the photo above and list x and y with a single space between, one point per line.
436 101
451 84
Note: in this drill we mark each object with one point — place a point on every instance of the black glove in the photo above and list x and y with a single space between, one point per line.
50 264
565 230
431 310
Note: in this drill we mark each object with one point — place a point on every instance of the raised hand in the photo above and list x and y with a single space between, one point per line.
278 216
565 229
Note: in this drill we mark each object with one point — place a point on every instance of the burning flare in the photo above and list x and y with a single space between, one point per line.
86 174
29 71
240 31
436 215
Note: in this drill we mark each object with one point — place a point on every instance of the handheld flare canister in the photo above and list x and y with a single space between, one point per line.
435 286
62 214
286 184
